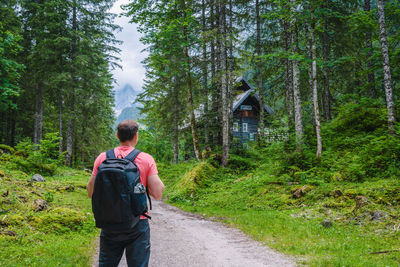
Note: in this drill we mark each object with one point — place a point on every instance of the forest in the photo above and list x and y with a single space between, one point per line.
307 60
323 168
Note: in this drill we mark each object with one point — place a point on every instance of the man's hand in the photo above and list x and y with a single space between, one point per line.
155 186
90 186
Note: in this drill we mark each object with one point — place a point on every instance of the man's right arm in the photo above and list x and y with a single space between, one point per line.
156 186
97 162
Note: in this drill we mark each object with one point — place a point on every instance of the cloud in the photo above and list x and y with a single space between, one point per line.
133 71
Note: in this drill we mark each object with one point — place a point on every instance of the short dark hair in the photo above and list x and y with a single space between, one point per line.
127 130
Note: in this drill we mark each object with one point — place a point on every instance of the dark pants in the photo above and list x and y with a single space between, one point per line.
136 244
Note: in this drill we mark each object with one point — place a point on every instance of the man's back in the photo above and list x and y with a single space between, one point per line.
135 242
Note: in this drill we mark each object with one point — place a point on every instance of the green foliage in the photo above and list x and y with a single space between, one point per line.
155 144
263 205
59 220
193 180
62 235
6 149
10 69
42 159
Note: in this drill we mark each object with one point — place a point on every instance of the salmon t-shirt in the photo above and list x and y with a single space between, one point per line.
144 162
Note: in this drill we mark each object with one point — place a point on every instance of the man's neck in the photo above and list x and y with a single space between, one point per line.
127 144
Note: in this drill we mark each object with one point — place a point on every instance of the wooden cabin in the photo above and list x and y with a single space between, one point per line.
246 111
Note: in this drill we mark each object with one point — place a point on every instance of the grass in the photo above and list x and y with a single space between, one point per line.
62 235
264 207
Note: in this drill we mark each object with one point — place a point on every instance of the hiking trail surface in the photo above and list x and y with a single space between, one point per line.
183 239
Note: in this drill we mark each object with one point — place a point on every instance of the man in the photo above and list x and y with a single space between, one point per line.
137 240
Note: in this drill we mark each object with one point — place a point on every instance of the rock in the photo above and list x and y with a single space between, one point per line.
337 193
327 223
301 191
378 215
39 205
38 178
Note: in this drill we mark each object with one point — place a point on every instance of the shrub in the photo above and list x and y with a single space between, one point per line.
236 162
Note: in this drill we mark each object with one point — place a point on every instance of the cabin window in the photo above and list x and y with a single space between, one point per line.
236 127
244 128
251 136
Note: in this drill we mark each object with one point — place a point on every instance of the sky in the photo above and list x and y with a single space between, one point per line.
133 71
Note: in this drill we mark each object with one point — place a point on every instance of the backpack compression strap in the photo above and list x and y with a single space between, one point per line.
131 156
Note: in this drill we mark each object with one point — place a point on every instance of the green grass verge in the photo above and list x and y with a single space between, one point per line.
61 235
264 207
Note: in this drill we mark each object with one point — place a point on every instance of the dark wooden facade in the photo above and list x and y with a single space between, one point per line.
246 112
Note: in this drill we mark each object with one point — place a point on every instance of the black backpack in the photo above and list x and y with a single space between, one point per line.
119 198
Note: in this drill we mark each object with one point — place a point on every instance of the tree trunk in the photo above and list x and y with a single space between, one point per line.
259 70
298 116
190 90
224 88
176 120
38 116
205 72
288 71
60 118
214 88
176 139
310 75
71 121
231 75
219 69
386 67
327 94
315 89
13 114
368 39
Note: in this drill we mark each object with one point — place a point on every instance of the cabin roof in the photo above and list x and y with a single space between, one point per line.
239 99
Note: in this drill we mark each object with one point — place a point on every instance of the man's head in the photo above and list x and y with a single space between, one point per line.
127 131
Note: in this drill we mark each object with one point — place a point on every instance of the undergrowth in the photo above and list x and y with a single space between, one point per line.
43 223
340 210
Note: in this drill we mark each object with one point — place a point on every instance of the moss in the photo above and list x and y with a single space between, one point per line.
6 149
195 178
350 193
59 220
13 219
337 176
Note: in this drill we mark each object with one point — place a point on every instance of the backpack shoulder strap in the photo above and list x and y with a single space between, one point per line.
131 156
110 154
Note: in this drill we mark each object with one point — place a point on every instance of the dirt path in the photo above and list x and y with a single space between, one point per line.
182 239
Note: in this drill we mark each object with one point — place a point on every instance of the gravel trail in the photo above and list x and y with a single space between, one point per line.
183 239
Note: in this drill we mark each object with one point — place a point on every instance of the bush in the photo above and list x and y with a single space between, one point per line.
43 158
236 162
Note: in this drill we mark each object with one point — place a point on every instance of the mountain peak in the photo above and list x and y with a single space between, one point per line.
124 98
